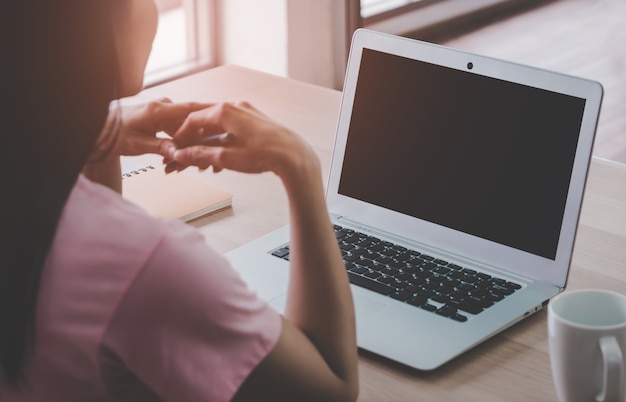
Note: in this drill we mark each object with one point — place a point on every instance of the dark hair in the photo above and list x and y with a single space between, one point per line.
58 75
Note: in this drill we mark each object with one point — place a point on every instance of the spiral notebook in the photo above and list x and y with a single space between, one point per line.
174 195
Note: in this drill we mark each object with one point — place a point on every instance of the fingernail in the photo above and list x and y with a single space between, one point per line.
170 151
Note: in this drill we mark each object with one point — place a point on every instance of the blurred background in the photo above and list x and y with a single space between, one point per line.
309 40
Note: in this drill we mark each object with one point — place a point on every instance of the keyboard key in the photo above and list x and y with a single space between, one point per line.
446 311
480 292
414 287
437 278
376 266
458 317
512 285
344 247
384 260
467 287
350 257
417 301
467 306
364 242
372 274
498 281
428 265
403 275
389 271
370 284
440 298
385 279
500 290
370 255
468 279
400 295
389 252
377 247
350 238
422 273
444 289
484 284
399 283
495 297
359 269
454 275
281 252
485 302
397 264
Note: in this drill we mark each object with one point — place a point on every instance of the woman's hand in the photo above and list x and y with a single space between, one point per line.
141 123
132 130
254 143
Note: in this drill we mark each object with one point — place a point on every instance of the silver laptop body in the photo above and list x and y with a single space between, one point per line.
477 163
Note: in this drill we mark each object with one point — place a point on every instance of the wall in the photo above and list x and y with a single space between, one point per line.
253 33
301 39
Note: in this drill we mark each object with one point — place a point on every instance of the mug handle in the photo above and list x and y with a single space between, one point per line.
612 387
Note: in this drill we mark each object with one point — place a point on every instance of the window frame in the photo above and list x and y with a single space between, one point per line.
395 11
421 18
201 27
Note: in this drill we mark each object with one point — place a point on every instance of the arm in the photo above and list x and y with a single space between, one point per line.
316 355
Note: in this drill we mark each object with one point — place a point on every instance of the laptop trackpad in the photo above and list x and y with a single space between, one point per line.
363 304
366 305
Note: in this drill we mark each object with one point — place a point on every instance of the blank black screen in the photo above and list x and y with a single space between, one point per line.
479 155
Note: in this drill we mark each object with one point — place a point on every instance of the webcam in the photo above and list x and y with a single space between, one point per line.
470 65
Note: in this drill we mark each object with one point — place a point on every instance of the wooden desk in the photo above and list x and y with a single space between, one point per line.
512 366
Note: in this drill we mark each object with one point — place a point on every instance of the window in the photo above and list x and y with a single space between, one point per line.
418 18
381 8
184 41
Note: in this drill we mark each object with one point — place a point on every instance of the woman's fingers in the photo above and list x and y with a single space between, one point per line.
198 125
169 116
199 156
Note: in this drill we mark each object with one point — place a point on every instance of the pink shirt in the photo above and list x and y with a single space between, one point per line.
133 308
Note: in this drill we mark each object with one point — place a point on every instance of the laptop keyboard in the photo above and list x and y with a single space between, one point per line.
415 278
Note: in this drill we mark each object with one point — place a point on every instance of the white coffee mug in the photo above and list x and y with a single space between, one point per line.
587 337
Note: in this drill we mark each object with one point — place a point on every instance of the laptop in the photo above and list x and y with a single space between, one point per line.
455 189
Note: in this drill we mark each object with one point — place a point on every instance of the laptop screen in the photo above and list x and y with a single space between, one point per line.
483 156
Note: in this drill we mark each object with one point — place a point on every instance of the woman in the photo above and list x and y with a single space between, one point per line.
99 301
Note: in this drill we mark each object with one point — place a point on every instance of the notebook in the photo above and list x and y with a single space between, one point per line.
172 196
475 163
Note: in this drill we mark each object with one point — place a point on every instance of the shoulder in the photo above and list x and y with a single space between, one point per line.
189 316
96 204
184 285
97 226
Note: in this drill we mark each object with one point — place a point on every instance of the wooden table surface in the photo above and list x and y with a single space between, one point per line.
512 366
